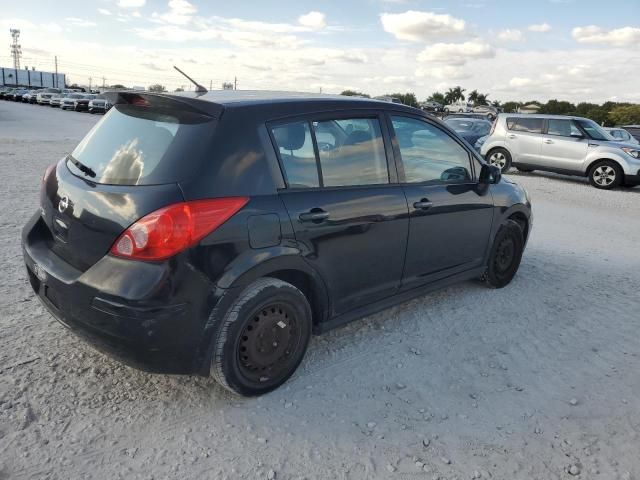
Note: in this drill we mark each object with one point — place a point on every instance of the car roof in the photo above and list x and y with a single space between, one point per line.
257 97
541 115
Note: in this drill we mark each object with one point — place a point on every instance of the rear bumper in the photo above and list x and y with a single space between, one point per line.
151 316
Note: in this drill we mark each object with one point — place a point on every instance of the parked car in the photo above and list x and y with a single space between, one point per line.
431 106
26 98
470 129
479 143
6 93
99 104
622 135
568 145
56 99
477 116
82 104
68 101
460 107
488 111
197 233
17 94
3 91
43 97
634 130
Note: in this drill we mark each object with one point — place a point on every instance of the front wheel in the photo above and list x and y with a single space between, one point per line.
506 253
500 158
262 337
605 175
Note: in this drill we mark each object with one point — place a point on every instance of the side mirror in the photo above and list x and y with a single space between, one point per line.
489 174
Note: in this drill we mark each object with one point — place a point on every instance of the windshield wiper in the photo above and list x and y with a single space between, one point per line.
88 171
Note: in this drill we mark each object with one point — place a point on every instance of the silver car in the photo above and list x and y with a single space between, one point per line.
622 135
68 101
567 145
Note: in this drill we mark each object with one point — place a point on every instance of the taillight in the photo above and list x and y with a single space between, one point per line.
170 230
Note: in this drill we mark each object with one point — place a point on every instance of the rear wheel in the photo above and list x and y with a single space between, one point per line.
605 175
262 338
500 158
505 256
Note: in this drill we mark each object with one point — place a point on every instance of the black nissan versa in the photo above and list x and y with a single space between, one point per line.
212 233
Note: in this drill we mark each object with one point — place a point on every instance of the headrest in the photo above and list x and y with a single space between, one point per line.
357 136
290 137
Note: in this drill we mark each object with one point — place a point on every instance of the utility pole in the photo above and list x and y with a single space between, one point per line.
210 84
103 80
56 62
16 49
235 83
90 83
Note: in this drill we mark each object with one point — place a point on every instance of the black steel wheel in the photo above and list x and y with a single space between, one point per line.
262 338
506 253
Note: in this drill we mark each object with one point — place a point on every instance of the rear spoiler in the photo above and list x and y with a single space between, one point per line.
165 101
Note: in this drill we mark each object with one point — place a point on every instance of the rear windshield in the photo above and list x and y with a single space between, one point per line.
139 146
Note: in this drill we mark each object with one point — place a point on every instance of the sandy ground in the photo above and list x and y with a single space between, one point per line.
539 380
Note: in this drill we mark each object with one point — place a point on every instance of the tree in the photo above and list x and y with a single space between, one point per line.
482 99
436 97
179 89
157 88
354 93
556 107
511 107
454 94
625 115
118 86
406 98
496 103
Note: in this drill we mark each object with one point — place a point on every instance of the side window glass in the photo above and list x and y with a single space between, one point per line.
429 154
297 155
564 128
523 124
351 152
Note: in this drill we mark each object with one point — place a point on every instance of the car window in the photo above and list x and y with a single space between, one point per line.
564 128
351 152
429 154
524 124
298 158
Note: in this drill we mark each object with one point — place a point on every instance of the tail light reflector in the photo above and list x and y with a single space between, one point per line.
172 229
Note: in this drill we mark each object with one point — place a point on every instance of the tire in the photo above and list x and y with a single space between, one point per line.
268 308
605 175
506 253
501 158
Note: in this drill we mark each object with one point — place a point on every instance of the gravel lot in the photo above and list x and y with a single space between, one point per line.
538 380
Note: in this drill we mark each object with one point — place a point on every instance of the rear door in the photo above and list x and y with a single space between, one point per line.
563 146
524 139
450 217
348 214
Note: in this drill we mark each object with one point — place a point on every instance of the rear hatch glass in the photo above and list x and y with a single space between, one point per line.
137 145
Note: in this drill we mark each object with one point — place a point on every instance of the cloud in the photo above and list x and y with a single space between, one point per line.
539 27
456 54
619 37
520 82
104 11
443 73
510 35
180 12
313 20
421 26
79 22
131 3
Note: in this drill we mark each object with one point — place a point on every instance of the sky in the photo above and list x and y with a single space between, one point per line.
576 50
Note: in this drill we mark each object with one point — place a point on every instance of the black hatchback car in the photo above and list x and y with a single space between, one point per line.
213 233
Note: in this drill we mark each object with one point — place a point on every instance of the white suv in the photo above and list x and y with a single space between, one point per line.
567 145
458 107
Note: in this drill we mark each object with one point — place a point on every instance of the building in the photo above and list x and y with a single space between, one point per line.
30 78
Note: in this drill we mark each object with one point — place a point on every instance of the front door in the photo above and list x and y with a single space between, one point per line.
349 220
449 216
563 146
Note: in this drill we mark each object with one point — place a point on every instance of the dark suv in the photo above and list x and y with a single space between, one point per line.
213 233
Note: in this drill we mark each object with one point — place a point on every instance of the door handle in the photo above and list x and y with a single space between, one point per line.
512 136
548 141
315 215
423 204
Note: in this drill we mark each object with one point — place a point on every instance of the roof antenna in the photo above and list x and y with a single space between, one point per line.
199 88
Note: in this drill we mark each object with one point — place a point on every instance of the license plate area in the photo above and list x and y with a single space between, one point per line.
51 295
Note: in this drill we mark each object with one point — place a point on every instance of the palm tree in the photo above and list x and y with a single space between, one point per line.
454 94
473 97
